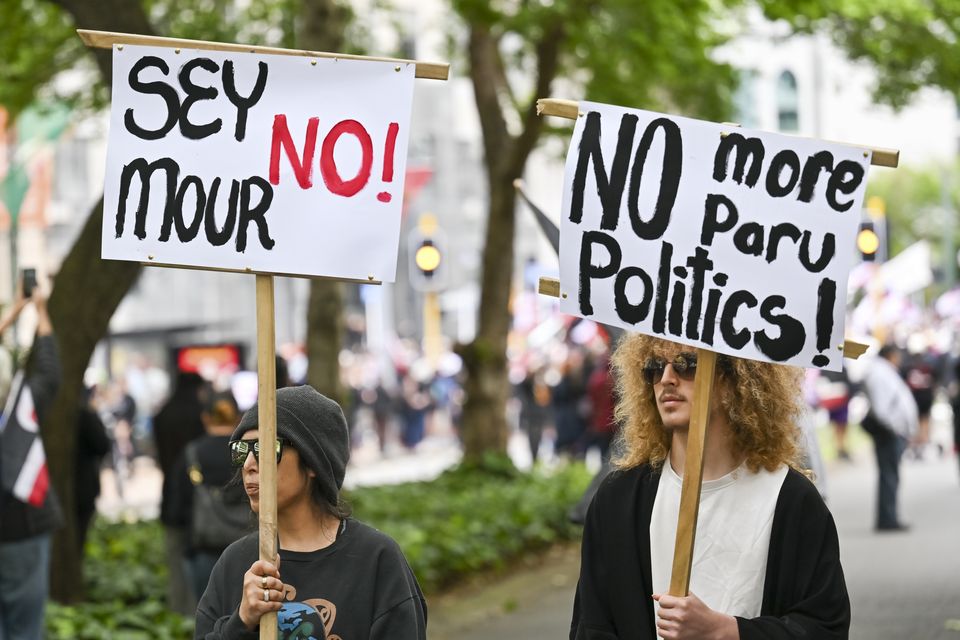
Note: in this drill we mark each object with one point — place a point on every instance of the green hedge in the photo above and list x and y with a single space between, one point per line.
463 522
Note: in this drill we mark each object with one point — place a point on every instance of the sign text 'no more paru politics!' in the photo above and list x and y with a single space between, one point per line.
255 162
727 239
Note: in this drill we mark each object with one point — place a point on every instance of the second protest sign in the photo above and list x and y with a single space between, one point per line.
732 240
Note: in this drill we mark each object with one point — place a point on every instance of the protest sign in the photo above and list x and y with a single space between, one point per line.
254 162
727 239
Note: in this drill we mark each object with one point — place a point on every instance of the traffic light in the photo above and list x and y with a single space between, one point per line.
427 259
868 241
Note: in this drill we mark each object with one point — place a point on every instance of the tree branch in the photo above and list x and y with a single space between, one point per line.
548 63
484 57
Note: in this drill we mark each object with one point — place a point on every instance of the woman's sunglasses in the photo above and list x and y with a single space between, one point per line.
240 449
684 365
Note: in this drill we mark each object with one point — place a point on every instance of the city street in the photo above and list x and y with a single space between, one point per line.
902 586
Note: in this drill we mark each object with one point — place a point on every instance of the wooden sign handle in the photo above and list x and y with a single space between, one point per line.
692 473
267 423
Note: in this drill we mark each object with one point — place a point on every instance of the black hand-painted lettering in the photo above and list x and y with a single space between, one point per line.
220 237
777 233
845 178
256 214
610 190
748 239
735 338
792 334
663 288
711 222
671 169
187 232
243 104
626 310
747 150
811 173
785 161
700 263
144 171
827 250
826 300
160 88
196 93
589 271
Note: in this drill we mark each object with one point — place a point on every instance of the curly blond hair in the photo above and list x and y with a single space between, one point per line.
762 404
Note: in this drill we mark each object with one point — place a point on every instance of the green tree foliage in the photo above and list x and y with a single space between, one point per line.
912 43
653 54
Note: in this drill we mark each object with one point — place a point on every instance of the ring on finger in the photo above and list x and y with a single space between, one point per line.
266 595
263 582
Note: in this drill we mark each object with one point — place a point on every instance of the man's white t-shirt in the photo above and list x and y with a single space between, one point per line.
733 537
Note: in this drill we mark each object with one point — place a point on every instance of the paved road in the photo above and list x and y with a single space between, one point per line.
902 586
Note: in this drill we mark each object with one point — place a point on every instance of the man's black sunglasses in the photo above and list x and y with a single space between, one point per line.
240 449
684 364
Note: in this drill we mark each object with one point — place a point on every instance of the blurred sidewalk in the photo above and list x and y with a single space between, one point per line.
139 495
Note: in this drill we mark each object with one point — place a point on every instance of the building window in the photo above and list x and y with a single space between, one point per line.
745 99
788 117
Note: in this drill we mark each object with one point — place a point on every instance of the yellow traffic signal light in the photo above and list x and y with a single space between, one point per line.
868 242
427 257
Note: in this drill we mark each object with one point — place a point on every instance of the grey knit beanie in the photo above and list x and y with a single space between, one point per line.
315 426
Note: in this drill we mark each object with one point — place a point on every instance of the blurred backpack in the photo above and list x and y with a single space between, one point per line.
218 517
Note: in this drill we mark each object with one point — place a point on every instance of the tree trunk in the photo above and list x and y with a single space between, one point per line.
505 156
487 389
325 337
322 26
87 291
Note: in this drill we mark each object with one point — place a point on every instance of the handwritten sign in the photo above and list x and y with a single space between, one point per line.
728 239
268 163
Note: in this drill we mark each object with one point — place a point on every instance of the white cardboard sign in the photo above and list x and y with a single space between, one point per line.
267 163
729 239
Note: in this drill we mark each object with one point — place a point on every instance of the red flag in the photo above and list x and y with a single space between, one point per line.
24 463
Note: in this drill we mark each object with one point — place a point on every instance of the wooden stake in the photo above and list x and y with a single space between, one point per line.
551 287
267 417
571 109
692 473
106 40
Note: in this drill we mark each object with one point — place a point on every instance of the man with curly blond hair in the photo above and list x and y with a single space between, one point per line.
766 562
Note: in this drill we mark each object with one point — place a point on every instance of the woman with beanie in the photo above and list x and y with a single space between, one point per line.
335 577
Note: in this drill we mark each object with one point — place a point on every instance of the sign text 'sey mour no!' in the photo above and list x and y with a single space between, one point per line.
728 239
277 164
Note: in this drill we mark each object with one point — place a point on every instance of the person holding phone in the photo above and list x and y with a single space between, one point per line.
335 577
29 508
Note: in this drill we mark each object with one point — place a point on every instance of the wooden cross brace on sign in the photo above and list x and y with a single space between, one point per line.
703 389
203 242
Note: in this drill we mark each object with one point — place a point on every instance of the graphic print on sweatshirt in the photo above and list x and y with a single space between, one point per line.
304 620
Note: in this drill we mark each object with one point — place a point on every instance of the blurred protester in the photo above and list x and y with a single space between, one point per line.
833 395
334 575
919 371
768 559
214 512
415 403
178 423
601 392
379 401
534 396
283 373
568 398
29 508
93 444
955 403
891 422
